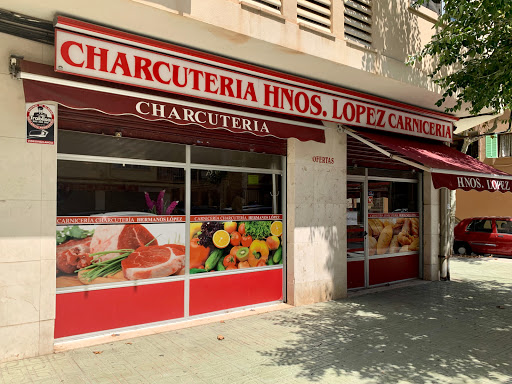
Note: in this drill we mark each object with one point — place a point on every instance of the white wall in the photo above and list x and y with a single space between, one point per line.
316 220
27 218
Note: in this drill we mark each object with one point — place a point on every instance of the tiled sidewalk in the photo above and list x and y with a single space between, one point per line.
442 332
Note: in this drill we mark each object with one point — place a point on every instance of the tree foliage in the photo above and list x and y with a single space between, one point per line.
472 51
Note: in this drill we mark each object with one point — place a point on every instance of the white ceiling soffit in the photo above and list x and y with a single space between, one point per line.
464 124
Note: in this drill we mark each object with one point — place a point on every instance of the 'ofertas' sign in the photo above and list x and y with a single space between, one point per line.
162 69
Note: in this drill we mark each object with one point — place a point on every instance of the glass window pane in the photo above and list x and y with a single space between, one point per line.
214 156
222 192
118 223
85 188
504 226
390 196
355 220
481 225
99 145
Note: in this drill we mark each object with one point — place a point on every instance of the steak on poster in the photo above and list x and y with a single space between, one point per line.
73 255
114 237
154 261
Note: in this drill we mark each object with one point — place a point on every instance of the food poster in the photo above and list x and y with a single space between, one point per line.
228 243
107 249
391 233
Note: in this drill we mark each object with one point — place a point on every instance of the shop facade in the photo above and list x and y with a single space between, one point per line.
177 184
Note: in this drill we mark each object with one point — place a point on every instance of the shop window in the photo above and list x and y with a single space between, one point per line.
214 156
121 212
480 226
79 143
392 196
118 222
227 192
393 218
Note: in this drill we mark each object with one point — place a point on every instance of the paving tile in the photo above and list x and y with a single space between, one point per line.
451 332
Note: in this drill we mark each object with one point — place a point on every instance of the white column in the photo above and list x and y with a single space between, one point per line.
431 229
316 220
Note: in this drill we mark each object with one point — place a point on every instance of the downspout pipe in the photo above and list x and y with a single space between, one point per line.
447 223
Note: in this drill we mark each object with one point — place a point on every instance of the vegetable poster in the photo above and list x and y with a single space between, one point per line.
393 233
106 249
245 241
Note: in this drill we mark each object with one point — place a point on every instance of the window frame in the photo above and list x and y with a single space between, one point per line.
188 166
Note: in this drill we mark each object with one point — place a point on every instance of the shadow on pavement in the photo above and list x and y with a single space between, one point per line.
458 331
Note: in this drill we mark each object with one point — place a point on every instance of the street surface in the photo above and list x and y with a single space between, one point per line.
441 332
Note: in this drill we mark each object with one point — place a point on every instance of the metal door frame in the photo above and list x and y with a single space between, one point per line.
364 180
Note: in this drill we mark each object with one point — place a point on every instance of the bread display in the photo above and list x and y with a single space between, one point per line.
394 247
384 240
372 245
389 234
376 226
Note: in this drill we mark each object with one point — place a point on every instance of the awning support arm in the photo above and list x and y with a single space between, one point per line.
351 133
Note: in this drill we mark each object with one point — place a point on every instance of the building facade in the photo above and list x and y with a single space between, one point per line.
492 148
171 160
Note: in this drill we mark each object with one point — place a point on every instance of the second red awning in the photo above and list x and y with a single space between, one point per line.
450 168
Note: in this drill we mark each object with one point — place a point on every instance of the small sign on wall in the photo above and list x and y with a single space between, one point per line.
40 123
323 159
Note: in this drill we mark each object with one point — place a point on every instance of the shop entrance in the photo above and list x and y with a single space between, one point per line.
383 227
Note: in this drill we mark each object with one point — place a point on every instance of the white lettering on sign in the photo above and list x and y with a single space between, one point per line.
201 117
468 182
498 185
476 183
100 59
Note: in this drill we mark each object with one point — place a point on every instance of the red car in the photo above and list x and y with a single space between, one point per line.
484 235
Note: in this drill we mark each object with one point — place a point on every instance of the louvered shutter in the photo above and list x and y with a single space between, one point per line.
316 13
491 146
358 21
274 5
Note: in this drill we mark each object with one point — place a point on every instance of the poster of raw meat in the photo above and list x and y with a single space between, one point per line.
235 242
391 233
103 249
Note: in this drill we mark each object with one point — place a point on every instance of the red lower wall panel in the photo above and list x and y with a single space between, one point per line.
355 274
390 269
210 294
92 311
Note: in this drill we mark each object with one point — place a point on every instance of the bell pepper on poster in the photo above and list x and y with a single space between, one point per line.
198 253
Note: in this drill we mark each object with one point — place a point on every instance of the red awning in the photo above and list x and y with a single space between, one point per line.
450 168
115 101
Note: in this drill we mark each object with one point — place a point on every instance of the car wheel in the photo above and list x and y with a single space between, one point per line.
462 248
